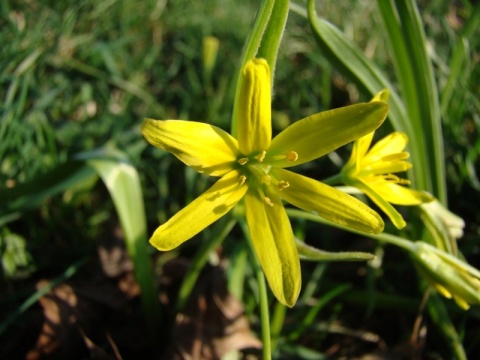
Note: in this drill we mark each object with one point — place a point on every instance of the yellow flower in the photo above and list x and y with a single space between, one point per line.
252 167
450 276
372 172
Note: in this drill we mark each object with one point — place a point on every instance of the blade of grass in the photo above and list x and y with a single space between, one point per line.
365 74
31 300
123 183
414 72
200 259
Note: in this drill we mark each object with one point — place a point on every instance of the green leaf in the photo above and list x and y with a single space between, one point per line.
419 91
311 253
123 183
33 193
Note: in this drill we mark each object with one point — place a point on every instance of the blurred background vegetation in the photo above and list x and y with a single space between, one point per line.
81 76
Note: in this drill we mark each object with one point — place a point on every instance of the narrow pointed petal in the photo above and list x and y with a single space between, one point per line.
382 95
200 213
274 245
331 204
324 132
381 202
359 149
362 145
205 148
390 144
254 120
400 195
388 167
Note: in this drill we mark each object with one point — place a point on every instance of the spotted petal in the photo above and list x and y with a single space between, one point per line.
201 212
331 204
274 245
205 148
324 132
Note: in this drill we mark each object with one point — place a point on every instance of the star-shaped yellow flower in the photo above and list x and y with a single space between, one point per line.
252 167
372 172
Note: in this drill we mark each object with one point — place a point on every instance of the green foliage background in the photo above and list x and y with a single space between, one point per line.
80 76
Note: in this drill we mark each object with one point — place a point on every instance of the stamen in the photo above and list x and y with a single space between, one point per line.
283 185
242 161
241 180
261 156
396 179
291 156
265 198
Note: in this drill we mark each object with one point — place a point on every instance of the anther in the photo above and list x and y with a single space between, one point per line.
268 201
242 161
242 179
283 185
261 156
291 156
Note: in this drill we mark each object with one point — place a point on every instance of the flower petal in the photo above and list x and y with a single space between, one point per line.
274 245
386 167
328 202
324 132
401 195
254 119
381 202
391 144
201 212
205 148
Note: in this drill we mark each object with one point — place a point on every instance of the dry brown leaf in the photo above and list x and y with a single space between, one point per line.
213 322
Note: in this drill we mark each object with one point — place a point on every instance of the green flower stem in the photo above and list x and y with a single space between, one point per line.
262 292
199 261
333 180
276 324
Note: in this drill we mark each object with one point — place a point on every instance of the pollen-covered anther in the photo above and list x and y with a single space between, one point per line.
291 156
283 185
242 179
261 156
242 161
268 201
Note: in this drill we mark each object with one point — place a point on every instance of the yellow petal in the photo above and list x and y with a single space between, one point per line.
205 148
390 144
201 212
401 195
387 167
324 132
380 201
382 95
332 204
274 245
363 144
359 149
254 114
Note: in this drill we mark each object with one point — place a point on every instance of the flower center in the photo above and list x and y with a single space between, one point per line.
256 170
